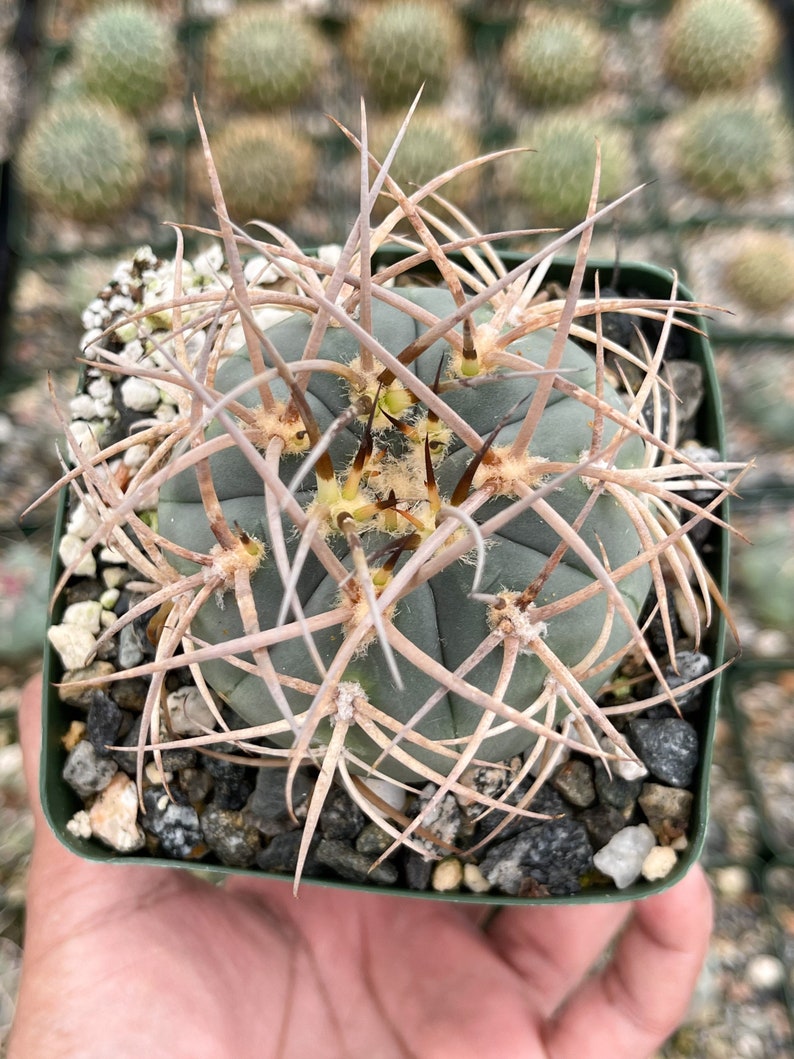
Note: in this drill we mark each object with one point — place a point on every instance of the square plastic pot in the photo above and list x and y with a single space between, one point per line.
60 802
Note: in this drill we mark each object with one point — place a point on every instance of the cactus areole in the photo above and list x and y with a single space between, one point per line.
398 513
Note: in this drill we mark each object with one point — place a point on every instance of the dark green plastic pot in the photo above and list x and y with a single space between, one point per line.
60 802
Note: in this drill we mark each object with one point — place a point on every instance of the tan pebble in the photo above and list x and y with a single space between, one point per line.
680 844
474 880
77 693
659 863
114 815
74 735
447 875
155 776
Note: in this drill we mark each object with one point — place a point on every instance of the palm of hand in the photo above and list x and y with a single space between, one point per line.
136 962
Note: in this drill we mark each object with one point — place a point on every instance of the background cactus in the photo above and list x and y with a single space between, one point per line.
553 179
126 53
433 143
554 56
728 149
82 159
760 273
400 45
710 45
267 167
265 57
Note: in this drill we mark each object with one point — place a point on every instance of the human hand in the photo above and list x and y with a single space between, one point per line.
127 961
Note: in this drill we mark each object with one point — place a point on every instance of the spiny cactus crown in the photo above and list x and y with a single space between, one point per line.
554 56
267 167
82 159
711 45
126 53
398 46
728 148
265 58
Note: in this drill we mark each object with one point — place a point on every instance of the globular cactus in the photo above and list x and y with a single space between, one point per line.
554 177
433 143
267 168
760 271
398 46
728 148
82 159
126 53
404 530
554 56
713 45
264 57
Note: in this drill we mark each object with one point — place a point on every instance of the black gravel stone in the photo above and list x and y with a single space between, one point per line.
281 855
176 827
616 792
230 837
181 758
602 822
103 722
553 855
234 783
349 864
690 665
574 781
340 817
668 747
546 801
126 759
268 803
87 771
418 871
130 693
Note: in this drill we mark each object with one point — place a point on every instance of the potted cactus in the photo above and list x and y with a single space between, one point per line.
404 527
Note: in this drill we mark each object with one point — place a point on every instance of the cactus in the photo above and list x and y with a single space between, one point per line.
399 46
713 45
726 148
82 159
267 168
554 56
434 142
126 53
760 272
407 528
265 58
554 178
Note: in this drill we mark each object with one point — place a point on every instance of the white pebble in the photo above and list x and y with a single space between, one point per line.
659 863
114 815
87 437
136 456
70 548
624 766
82 407
385 790
114 576
111 556
109 598
140 394
82 522
87 614
79 825
188 712
622 857
765 972
72 643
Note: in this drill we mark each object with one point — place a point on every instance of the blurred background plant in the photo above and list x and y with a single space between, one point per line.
694 96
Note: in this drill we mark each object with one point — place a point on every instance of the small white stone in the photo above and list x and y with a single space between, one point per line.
109 598
140 394
70 548
385 790
114 576
136 456
680 844
111 556
624 767
87 614
474 880
447 875
82 522
72 643
765 972
82 407
659 863
114 815
79 825
622 857
106 619
87 437
188 712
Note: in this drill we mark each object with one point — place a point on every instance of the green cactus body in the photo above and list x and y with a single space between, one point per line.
126 53
555 177
398 47
712 45
438 615
265 58
82 159
761 271
728 149
266 167
433 143
554 56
